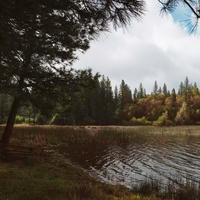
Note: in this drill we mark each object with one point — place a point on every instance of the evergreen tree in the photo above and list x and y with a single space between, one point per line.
141 92
164 90
195 90
116 96
187 91
135 94
159 90
187 86
155 88
125 97
117 104
145 94
173 98
110 108
181 89
106 102
46 35
192 5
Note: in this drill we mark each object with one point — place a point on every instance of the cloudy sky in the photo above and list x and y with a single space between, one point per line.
155 48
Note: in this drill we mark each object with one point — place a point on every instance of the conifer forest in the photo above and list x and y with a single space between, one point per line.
95 102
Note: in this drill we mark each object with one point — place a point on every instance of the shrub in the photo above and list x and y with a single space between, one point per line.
163 120
57 119
29 121
140 121
41 119
19 119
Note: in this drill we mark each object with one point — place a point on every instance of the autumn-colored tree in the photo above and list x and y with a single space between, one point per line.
183 115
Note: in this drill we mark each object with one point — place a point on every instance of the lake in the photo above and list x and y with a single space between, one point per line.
166 158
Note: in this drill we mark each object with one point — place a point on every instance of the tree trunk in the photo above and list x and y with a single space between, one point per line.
11 121
12 115
16 103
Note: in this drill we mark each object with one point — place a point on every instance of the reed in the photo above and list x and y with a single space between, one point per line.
49 135
187 190
59 135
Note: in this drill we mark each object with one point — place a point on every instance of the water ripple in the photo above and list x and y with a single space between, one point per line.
131 163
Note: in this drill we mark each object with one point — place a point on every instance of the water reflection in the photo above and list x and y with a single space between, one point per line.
174 159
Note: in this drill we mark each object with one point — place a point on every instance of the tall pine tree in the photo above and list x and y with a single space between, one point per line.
37 36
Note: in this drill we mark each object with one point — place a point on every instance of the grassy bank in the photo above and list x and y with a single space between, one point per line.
28 179
45 181
31 180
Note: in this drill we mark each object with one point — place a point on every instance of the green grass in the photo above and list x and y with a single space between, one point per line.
45 182
55 179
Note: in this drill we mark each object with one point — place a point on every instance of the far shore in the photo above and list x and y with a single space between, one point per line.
186 129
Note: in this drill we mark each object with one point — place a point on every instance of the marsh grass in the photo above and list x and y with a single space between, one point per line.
189 190
141 134
49 135
137 134
59 135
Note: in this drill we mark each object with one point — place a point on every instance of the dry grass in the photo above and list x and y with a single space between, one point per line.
57 135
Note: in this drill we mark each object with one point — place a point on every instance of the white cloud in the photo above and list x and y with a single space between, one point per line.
156 48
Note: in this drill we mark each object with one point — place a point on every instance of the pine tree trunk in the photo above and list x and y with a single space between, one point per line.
11 121
8 131
5 139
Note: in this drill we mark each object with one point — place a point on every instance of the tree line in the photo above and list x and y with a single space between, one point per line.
95 102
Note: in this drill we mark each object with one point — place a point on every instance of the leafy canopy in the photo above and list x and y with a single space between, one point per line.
40 38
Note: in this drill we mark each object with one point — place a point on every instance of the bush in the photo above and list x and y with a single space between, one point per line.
57 119
140 121
163 120
19 119
29 121
41 119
